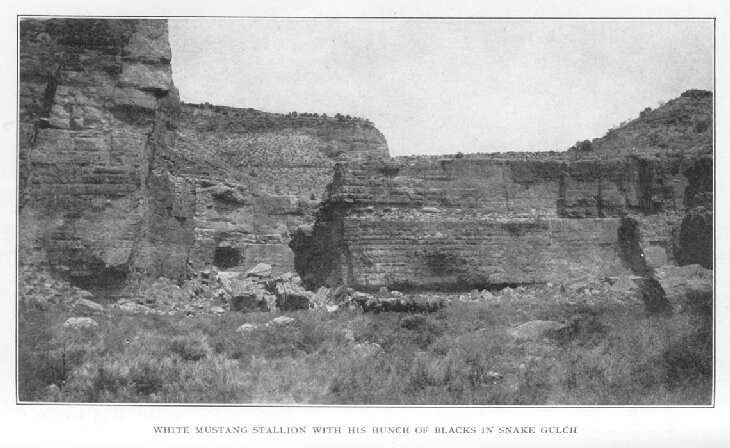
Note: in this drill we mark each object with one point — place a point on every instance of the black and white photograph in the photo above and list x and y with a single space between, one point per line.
177 246
354 213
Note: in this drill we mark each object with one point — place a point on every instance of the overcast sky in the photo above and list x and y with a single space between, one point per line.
443 86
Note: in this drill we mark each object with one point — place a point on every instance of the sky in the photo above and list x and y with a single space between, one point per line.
447 86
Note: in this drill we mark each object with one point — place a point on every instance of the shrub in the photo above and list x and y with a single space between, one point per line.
190 347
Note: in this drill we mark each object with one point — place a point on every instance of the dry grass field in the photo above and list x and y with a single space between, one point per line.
606 351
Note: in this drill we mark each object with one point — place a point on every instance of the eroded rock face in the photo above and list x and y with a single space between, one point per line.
260 176
120 181
484 221
97 106
118 177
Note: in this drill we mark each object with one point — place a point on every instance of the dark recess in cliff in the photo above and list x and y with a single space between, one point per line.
318 250
694 242
654 297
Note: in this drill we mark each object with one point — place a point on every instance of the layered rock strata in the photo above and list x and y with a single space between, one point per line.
119 180
487 221
259 176
97 109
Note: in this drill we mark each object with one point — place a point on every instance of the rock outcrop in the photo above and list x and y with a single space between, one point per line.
97 109
493 220
122 187
259 176
117 177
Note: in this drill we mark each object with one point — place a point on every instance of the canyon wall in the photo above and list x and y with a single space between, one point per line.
119 180
97 107
476 221
259 176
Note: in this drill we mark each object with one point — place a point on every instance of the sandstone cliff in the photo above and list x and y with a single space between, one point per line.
259 176
119 180
459 222
97 105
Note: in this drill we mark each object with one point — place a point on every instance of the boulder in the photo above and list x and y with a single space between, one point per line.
281 320
247 302
535 330
290 297
88 306
246 328
261 270
132 307
246 296
80 323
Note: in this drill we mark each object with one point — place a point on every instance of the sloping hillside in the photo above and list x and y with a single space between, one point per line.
681 124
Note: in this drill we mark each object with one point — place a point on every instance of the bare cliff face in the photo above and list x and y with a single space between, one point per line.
119 180
481 221
259 176
97 109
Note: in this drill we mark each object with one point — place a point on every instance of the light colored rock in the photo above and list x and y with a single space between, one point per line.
88 306
290 297
246 328
281 320
217 310
534 330
80 323
132 307
261 270
332 308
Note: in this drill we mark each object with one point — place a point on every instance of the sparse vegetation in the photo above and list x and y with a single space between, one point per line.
462 354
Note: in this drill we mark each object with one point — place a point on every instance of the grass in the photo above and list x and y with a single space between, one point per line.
462 354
